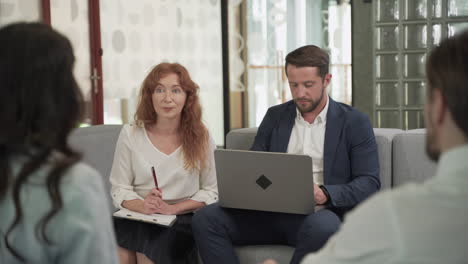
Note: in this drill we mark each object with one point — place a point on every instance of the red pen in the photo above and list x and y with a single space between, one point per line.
154 178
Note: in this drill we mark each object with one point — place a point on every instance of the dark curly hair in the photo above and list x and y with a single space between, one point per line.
40 104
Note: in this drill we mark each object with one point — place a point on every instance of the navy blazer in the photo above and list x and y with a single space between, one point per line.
350 158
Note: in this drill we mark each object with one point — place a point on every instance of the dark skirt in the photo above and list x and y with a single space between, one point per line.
161 244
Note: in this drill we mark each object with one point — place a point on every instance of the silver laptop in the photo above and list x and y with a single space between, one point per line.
265 181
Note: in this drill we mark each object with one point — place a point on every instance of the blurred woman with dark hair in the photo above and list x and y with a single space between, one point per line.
168 135
53 207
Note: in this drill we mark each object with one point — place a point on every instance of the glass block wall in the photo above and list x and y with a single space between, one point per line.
404 33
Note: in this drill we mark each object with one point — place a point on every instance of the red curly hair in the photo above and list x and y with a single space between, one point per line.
194 134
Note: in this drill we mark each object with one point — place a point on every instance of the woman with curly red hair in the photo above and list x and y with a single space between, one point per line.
168 134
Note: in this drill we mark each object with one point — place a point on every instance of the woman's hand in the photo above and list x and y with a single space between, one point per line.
152 201
154 204
149 205
165 208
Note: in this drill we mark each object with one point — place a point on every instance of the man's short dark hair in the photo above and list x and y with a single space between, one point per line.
309 56
447 71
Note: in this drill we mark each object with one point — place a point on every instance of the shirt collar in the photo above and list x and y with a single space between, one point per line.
321 118
453 162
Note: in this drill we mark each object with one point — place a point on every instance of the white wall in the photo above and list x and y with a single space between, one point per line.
14 11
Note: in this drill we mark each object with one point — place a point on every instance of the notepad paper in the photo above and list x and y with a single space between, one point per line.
159 219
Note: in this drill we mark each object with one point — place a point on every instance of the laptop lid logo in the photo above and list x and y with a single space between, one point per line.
263 182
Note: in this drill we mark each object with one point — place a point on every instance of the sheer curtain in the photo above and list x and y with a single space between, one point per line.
274 28
71 19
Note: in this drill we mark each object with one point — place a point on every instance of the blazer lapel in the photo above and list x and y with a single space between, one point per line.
333 129
286 124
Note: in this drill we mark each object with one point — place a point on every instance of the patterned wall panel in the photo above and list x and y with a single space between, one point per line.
70 17
14 11
136 35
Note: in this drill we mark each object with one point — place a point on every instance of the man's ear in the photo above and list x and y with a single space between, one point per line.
327 79
439 107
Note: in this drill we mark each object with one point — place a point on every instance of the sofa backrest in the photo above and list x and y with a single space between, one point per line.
383 138
243 139
401 154
97 144
410 162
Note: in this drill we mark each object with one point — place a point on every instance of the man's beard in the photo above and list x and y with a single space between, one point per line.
313 105
432 151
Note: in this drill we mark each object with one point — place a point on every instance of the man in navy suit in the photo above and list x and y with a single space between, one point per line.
342 145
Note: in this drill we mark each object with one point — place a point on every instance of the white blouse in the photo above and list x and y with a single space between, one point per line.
131 175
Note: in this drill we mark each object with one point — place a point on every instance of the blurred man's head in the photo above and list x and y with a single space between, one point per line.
447 99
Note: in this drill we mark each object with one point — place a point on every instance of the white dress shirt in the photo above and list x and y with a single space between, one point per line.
131 175
309 139
416 223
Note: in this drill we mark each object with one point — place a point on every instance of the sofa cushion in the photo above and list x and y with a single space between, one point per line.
97 144
241 138
410 162
258 253
383 138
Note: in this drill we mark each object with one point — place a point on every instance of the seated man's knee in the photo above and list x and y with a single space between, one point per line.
323 223
205 218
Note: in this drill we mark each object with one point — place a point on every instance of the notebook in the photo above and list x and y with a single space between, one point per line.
159 219
265 181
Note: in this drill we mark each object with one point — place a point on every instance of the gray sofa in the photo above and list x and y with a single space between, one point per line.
401 155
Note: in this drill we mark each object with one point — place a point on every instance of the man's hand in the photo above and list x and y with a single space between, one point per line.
319 196
270 261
